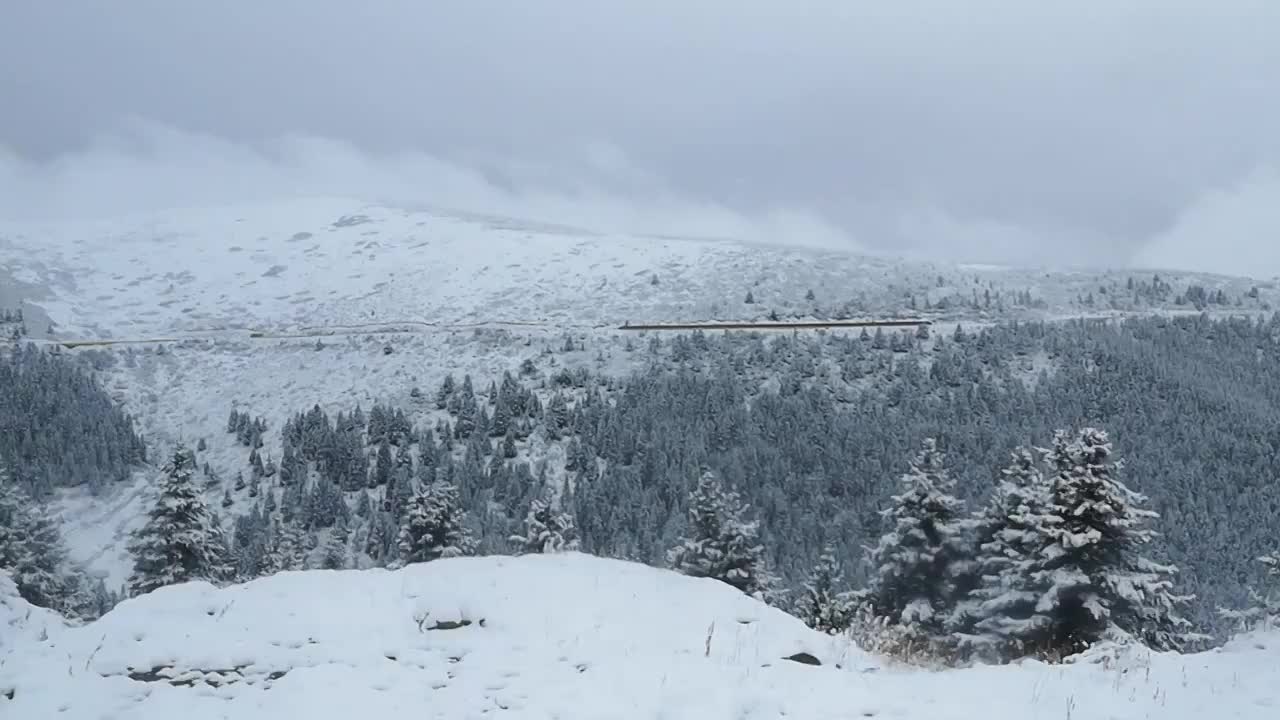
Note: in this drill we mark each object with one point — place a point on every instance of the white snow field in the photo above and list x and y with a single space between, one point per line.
329 262
555 636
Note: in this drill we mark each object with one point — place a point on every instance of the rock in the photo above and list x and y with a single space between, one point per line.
451 624
803 658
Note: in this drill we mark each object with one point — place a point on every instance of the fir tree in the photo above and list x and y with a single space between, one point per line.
723 545
919 560
1265 610
995 617
287 549
822 606
433 526
546 530
383 465
180 541
1085 572
336 556
33 553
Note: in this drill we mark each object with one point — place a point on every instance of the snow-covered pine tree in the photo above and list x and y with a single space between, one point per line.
286 550
918 562
509 450
336 556
433 526
723 544
382 465
1265 608
33 553
180 541
1087 574
823 606
996 613
546 530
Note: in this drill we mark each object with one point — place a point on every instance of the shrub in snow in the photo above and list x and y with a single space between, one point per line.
433 526
180 541
822 606
723 544
546 530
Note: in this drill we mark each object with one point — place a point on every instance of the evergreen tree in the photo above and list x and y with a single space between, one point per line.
558 417
382 466
822 606
180 541
433 526
468 410
336 555
546 530
995 617
723 545
918 562
287 549
33 553
1265 609
500 423
509 450
1086 576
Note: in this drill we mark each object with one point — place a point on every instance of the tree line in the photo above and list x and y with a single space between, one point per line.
810 433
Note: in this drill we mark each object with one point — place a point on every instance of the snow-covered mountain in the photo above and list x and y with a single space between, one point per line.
275 308
556 636
333 263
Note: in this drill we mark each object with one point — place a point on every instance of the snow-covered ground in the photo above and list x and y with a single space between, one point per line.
325 263
562 636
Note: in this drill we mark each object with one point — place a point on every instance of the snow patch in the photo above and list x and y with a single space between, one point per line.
564 636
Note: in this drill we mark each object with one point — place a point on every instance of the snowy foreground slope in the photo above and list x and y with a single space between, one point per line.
567 636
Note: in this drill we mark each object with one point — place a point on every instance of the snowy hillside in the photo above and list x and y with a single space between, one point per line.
326 263
275 308
567 636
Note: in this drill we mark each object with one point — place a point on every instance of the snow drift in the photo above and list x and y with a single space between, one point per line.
556 636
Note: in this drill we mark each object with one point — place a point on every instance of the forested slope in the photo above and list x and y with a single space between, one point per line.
814 431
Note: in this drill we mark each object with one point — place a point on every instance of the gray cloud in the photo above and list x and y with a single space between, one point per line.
1092 132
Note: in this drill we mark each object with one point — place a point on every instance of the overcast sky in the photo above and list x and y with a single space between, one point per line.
1103 132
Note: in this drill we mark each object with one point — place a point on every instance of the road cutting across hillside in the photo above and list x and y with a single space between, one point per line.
419 326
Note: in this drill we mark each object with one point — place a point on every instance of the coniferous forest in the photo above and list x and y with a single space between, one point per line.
941 486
